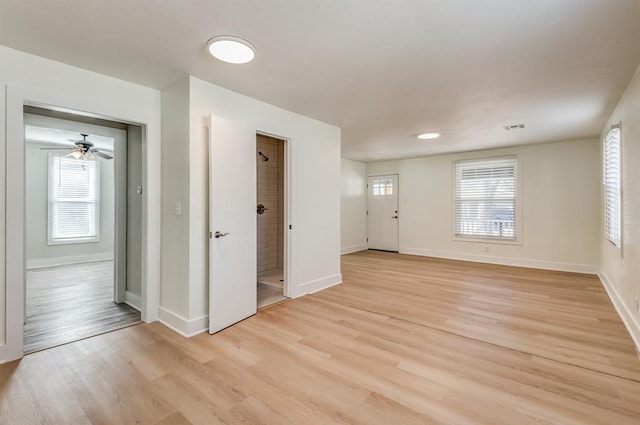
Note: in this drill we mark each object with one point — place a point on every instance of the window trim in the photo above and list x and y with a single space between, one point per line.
77 240
617 244
518 233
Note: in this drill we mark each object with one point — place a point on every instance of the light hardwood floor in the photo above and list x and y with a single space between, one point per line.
71 302
405 340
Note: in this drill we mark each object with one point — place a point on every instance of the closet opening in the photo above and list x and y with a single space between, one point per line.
271 212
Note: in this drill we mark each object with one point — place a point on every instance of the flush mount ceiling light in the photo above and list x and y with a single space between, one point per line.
428 136
230 49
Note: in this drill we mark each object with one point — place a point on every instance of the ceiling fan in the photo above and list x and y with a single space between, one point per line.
84 149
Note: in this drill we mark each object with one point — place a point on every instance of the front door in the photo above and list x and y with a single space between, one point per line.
383 212
232 223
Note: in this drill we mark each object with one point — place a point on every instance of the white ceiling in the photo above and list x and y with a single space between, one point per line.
382 70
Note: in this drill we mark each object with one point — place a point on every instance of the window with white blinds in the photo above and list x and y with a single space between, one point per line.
74 200
611 183
485 198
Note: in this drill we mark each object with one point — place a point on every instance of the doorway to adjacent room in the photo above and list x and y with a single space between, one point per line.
83 227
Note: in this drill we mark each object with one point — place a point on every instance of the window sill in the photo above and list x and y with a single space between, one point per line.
72 241
495 241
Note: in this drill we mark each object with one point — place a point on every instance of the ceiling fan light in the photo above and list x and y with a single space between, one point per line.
76 154
231 49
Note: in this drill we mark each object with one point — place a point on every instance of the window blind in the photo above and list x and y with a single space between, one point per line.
611 183
73 199
485 198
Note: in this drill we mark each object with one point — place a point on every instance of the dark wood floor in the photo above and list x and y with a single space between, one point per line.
404 340
68 303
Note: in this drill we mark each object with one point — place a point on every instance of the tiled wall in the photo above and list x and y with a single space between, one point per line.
271 194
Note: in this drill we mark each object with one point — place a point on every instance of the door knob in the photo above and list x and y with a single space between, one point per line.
218 234
395 216
261 209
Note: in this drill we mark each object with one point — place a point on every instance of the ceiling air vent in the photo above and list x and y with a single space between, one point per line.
513 126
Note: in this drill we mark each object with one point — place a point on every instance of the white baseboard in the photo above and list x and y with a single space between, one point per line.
184 327
133 300
63 261
318 285
629 320
353 248
505 261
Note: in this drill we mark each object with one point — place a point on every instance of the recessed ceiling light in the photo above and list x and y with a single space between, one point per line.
428 136
231 49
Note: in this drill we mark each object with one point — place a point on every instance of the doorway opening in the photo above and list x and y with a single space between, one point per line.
271 218
83 238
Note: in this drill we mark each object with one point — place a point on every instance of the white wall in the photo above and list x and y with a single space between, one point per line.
353 206
621 268
134 214
560 207
315 191
33 78
174 294
39 253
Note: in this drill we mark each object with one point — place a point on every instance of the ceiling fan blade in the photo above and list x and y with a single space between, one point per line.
101 154
70 148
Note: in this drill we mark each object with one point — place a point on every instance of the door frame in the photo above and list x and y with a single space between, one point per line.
287 226
398 192
120 220
15 256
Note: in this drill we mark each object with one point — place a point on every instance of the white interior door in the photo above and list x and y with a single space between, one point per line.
232 223
383 212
